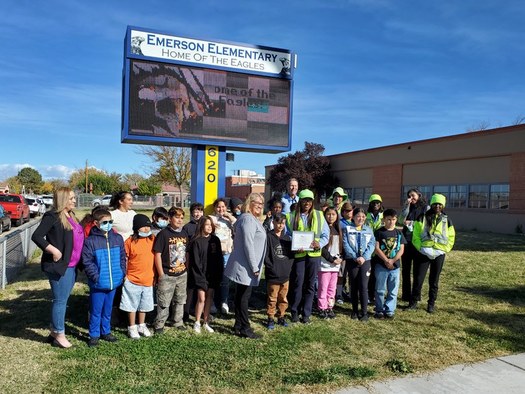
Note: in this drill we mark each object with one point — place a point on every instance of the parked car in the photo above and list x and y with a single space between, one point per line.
36 206
48 199
5 220
102 201
16 206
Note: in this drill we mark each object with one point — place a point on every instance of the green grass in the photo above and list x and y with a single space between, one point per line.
479 315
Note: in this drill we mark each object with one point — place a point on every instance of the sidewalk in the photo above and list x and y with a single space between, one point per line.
495 376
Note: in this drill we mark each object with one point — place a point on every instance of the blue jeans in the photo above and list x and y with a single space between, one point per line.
100 308
387 281
61 287
225 284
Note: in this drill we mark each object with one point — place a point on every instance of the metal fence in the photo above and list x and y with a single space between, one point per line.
16 248
139 202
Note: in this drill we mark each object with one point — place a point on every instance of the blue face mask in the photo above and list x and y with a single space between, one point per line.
106 227
162 223
144 235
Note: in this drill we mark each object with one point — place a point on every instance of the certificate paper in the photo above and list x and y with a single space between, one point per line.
302 240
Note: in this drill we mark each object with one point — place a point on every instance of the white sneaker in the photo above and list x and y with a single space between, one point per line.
143 330
197 328
225 309
133 332
208 328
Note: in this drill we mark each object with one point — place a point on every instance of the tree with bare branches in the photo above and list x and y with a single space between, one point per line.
171 164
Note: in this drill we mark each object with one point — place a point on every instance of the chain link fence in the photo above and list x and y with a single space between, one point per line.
139 202
16 248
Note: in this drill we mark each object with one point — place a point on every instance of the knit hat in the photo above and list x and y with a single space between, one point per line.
438 199
375 197
306 194
139 221
234 202
341 192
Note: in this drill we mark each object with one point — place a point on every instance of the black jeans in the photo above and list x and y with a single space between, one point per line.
302 285
242 298
407 263
421 266
359 275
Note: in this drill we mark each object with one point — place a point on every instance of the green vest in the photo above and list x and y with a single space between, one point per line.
316 227
439 235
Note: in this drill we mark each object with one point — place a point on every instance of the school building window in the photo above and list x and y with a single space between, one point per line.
458 196
499 196
467 196
359 195
478 196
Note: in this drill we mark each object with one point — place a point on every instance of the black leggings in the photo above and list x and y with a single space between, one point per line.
421 266
408 262
359 275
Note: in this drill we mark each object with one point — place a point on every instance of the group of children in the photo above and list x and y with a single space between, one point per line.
155 255
363 246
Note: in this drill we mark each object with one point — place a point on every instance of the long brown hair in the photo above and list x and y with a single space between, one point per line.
337 227
60 200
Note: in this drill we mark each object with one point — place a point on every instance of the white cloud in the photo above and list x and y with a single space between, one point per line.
9 170
55 171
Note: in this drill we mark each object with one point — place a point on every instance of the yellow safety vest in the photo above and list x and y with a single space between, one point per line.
439 235
317 228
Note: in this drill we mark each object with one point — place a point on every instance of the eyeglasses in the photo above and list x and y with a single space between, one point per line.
258 203
106 222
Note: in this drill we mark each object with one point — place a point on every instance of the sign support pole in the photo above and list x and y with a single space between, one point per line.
208 175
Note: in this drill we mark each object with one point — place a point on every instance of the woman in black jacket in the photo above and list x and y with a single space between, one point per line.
415 206
61 239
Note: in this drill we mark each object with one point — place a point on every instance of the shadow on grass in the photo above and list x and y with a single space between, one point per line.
31 310
499 326
512 295
489 242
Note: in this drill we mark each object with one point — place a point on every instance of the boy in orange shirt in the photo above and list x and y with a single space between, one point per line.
137 291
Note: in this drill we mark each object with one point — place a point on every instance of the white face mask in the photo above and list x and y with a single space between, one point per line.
162 223
144 235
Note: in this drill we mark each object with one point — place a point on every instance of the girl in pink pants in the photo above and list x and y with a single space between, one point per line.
330 263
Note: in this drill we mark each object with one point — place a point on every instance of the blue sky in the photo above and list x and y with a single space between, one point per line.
370 72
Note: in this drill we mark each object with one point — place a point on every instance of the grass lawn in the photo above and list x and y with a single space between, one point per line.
479 314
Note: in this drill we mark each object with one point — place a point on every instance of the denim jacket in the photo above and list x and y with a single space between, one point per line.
358 243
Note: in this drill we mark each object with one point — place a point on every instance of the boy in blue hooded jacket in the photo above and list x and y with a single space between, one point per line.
104 259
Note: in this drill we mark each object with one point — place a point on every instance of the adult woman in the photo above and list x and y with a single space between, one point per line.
433 236
246 260
223 221
414 207
306 263
122 214
61 239
337 199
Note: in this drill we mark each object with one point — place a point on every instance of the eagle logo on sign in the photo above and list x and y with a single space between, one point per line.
135 45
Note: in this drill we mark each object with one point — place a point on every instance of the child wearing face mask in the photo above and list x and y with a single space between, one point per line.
104 260
137 291
159 220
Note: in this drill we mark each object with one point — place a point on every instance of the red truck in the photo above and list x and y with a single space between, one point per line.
16 206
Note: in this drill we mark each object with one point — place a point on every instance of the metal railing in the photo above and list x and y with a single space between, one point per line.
16 248
139 202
